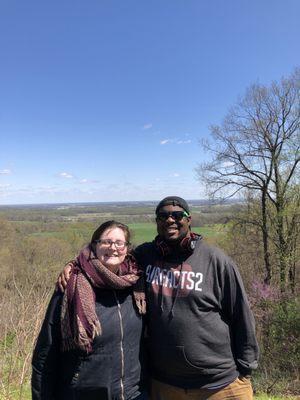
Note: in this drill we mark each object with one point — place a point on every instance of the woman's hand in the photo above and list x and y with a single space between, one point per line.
64 276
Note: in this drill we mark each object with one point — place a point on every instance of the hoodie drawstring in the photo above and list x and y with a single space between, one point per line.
171 313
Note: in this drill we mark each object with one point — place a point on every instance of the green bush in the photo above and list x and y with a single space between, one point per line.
278 326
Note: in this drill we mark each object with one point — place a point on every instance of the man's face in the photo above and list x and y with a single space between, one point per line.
170 229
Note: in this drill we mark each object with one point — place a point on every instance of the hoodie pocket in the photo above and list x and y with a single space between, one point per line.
172 360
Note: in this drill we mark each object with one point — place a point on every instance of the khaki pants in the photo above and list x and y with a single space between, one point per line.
240 389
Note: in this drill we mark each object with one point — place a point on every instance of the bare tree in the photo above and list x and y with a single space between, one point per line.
257 149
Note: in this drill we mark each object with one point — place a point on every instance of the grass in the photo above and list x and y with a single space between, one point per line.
26 395
146 231
17 393
141 232
268 397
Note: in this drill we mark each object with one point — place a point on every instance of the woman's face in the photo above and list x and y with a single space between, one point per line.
111 250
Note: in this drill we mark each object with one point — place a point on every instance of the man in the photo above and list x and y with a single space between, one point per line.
202 341
201 331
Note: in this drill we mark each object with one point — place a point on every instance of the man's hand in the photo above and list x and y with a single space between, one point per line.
64 276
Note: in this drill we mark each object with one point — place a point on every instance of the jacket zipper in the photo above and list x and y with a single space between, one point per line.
121 347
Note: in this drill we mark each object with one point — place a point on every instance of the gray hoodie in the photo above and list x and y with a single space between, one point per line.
201 329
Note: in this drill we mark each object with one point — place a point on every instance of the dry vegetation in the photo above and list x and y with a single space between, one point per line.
28 268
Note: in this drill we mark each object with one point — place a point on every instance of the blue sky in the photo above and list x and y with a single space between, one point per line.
106 100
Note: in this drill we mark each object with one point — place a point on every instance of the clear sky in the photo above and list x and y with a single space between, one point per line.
106 100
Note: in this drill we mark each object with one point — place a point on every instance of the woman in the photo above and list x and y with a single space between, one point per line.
89 344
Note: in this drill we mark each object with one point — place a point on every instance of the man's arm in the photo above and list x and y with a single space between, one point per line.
241 321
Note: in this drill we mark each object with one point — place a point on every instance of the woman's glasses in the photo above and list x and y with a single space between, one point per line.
176 215
119 244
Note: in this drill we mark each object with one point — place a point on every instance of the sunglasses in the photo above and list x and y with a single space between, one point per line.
176 215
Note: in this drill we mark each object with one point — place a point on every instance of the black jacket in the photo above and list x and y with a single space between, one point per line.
201 329
111 371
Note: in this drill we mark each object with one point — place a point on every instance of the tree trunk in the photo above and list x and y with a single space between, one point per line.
282 245
268 268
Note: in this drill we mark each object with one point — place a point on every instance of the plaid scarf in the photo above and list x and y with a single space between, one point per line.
79 321
186 245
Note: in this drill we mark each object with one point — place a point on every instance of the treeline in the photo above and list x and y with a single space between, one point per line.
46 218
